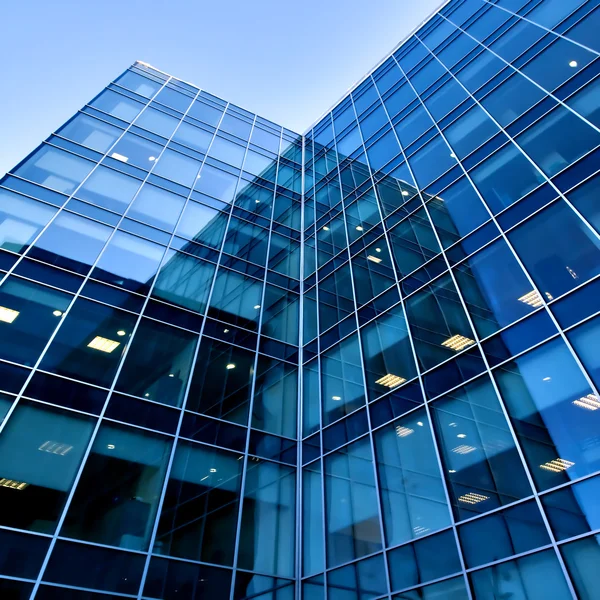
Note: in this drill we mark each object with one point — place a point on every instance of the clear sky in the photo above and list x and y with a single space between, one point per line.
288 61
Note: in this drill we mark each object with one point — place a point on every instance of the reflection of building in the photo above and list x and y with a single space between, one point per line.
237 362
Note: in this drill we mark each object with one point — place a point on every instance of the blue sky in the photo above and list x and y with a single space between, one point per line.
286 61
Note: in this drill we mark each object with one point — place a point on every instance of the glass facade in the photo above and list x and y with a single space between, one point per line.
239 362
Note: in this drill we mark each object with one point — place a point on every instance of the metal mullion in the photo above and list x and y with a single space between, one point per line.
499 396
503 233
426 403
254 377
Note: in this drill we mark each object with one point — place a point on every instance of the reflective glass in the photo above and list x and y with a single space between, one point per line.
109 189
157 207
312 519
581 559
90 132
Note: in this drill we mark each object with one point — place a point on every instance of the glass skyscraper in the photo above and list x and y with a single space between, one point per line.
238 362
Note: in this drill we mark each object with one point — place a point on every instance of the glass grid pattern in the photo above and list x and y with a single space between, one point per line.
240 362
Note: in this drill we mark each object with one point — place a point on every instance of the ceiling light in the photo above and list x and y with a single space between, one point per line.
405 193
472 498
462 435
12 484
57 313
374 259
403 431
547 379
359 228
171 374
420 423
152 158
557 465
225 330
452 471
325 228
205 477
573 64
121 332
257 201
55 448
377 249
256 306
589 402
391 380
146 395
8 315
452 155
549 296
336 398
120 157
452 424
463 449
111 446
213 470
532 298
420 530
103 344
230 366
458 342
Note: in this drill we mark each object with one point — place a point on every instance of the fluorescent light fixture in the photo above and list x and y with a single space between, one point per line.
532 298
463 449
230 366
8 315
120 157
458 342
374 259
573 64
205 477
103 344
390 380
121 332
589 402
57 313
55 448
12 484
472 498
557 465
403 431
420 530
336 398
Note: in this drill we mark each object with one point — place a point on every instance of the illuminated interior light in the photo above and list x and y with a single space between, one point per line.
359 228
405 193
452 424
549 296
403 431
420 423
8 315
257 201
472 498
146 395
325 228
120 157
205 477
462 435
589 402
57 313
572 273
111 446
374 259
557 465
463 449
256 306
121 332
458 342
390 380
55 448
547 379
152 158
418 530
573 64
452 471
103 344
171 374
336 398
452 155
532 298
377 249
230 366
213 470
225 330
12 484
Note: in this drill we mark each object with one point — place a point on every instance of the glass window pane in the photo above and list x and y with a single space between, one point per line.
227 152
117 105
581 558
139 84
135 150
117 495
216 183
202 224
157 207
177 167
585 341
351 504
281 315
246 241
194 137
342 380
268 519
373 271
157 122
41 449
412 492
483 467
109 189
548 399
31 313
557 249
158 363
199 516
56 169
451 589
361 580
312 520
88 346
90 132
